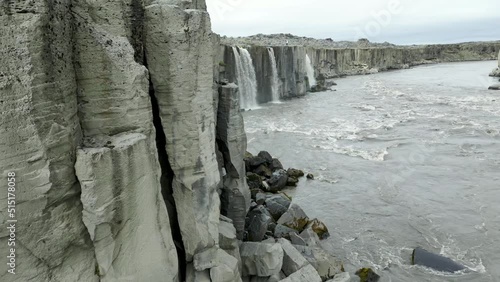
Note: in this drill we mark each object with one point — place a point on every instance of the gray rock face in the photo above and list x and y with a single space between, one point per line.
40 131
120 193
232 143
325 264
260 259
178 48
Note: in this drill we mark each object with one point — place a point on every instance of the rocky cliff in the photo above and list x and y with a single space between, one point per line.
110 123
329 62
496 72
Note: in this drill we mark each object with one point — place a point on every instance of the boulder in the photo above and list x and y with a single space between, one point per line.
253 162
319 228
307 273
260 198
297 173
495 87
342 277
292 259
297 240
223 267
292 181
261 259
264 171
278 181
196 276
266 156
275 165
272 278
310 176
309 237
277 205
257 223
228 241
367 275
294 218
254 180
325 264
282 231
434 261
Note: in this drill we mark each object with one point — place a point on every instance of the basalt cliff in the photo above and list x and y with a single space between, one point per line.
121 122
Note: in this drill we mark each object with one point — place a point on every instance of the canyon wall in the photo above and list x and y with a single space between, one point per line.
335 62
111 123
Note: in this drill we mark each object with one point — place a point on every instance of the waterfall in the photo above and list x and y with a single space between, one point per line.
310 72
275 82
246 78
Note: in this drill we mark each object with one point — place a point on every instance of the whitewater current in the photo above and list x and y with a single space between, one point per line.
401 159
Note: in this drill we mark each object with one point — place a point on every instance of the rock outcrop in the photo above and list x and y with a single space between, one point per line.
496 72
109 119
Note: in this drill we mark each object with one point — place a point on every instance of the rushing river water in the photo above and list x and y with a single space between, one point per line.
402 159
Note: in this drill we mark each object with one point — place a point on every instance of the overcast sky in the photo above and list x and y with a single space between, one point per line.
395 21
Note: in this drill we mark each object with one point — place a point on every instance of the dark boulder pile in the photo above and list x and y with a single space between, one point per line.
273 221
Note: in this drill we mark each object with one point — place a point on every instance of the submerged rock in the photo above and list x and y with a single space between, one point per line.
495 87
310 176
434 261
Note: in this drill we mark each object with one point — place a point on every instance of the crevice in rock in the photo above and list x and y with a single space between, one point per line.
167 176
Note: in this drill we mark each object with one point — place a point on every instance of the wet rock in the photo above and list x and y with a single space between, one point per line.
319 228
310 176
275 165
266 156
277 205
282 231
495 87
307 273
325 264
434 261
294 218
297 173
292 259
278 181
367 275
292 181
261 259
262 170
257 222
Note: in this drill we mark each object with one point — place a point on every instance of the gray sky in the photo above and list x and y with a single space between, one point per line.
395 21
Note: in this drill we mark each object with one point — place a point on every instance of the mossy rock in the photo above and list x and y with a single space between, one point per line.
367 275
292 172
319 228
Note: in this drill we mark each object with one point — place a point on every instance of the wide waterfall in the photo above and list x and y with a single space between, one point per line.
246 78
275 82
310 72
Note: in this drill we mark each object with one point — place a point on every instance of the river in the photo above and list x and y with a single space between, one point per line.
401 159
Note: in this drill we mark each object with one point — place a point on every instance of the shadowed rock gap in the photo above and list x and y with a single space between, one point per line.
167 176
